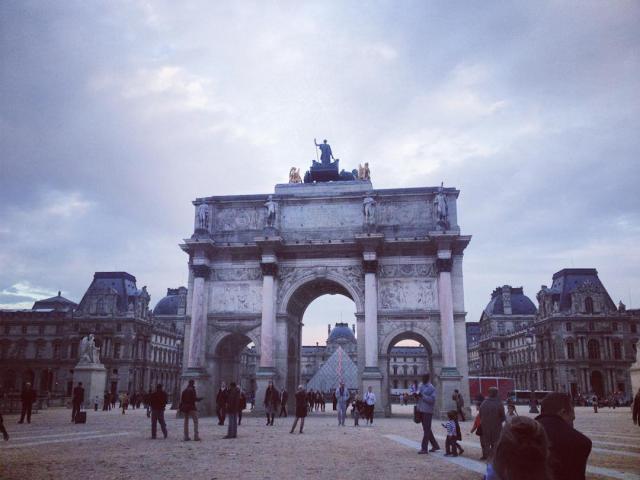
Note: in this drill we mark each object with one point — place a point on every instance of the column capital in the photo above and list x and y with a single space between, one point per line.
269 268
370 266
201 271
444 264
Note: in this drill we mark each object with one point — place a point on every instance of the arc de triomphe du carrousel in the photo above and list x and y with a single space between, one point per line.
257 261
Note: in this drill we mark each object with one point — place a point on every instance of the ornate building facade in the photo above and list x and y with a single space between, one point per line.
40 345
577 341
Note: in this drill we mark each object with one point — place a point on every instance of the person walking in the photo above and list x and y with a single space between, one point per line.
221 402
426 394
271 398
452 436
301 408
370 402
457 397
106 402
342 401
124 402
493 416
635 409
283 402
27 397
231 408
158 402
334 400
569 449
242 406
595 403
3 430
77 399
188 401
146 400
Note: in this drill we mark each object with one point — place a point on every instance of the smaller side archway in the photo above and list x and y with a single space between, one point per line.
408 356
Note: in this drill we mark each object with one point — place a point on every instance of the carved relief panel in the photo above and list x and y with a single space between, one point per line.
398 294
236 297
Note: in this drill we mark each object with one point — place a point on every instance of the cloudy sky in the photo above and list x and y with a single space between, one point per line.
115 115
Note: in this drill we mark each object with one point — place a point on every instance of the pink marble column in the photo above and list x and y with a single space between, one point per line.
198 334
445 302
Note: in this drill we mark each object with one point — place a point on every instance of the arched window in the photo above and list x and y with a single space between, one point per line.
588 305
617 351
594 350
571 354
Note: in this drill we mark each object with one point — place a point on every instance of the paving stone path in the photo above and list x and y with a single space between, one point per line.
115 446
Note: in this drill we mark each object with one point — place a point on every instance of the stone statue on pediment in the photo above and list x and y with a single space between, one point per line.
441 208
202 212
369 208
294 175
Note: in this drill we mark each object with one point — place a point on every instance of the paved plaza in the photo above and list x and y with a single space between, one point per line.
115 446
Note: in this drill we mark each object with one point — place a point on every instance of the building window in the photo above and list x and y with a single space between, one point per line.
395 369
571 354
7 329
118 327
41 329
594 350
588 305
415 370
568 326
395 384
617 351
24 329
615 326
116 350
74 350
500 328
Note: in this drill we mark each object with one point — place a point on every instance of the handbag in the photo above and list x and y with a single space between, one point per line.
417 415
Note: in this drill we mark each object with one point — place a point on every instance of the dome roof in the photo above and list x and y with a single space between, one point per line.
341 332
520 303
171 304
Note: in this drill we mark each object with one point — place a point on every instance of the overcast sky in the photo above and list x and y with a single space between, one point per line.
116 115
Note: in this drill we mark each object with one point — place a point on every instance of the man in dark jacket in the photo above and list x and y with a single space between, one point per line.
188 401
232 407
158 401
27 397
492 417
76 401
568 448
221 402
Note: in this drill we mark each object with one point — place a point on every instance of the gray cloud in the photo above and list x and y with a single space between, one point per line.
115 116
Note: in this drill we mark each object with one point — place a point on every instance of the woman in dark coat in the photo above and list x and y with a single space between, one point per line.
271 401
301 408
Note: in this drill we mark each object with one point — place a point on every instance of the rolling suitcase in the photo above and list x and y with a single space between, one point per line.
81 417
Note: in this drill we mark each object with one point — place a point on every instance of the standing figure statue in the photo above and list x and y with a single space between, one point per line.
441 208
369 207
89 353
294 175
270 205
203 216
325 151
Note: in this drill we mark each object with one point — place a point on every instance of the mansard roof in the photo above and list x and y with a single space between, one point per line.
121 284
58 303
568 280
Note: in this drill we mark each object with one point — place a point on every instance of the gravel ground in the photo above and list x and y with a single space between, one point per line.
116 446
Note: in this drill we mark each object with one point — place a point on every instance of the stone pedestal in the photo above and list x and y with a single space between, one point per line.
449 380
204 389
94 381
371 377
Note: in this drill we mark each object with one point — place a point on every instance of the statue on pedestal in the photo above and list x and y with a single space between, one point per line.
369 207
363 172
203 216
326 155
270 205
89 353
440 208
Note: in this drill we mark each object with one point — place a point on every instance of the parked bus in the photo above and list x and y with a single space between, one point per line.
478 385
522 397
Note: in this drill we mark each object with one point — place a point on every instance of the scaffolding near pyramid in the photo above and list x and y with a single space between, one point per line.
338 367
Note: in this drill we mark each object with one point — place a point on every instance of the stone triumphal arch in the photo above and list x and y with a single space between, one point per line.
256 262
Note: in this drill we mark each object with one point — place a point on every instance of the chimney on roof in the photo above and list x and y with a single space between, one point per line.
506 299
329 327
59 293
353 327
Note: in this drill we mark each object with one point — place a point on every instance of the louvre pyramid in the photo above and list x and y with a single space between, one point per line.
339 366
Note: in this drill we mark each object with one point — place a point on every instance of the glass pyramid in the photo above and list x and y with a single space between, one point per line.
338 366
